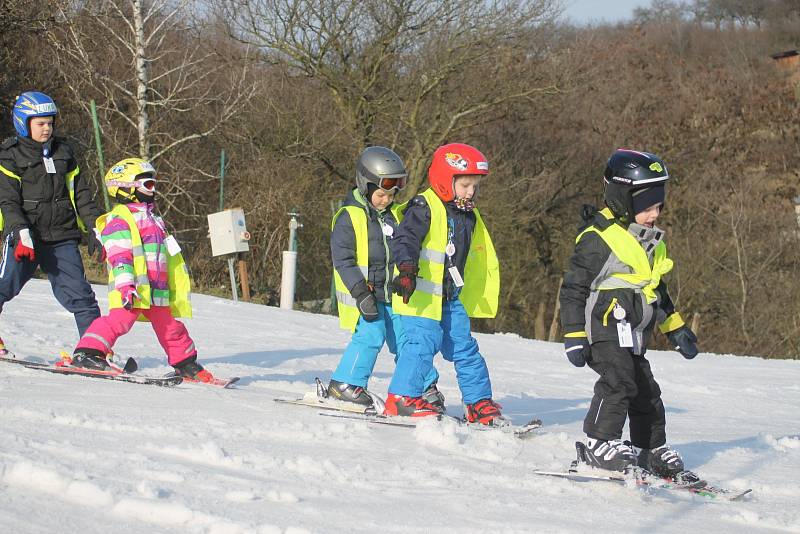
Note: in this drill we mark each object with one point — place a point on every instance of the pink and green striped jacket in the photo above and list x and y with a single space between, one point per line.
117 242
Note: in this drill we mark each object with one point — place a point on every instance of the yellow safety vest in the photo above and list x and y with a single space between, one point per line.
481 272
346 304
179 282
645 277
70 181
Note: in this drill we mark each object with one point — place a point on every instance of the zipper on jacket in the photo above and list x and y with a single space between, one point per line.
609 310
386 262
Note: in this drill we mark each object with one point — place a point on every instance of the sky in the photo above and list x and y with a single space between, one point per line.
582 11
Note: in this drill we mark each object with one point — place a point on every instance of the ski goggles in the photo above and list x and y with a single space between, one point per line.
398 182
148 184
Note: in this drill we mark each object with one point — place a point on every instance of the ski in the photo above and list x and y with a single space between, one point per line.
526 431
322 401
114 374
219 382
646 480
326 404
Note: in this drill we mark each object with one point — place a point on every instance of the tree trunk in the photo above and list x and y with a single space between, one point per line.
141 80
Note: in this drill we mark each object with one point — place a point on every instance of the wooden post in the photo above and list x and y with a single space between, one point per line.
695 323
538 324
244 280
555 323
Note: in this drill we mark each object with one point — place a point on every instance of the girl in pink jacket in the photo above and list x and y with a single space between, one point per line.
148 279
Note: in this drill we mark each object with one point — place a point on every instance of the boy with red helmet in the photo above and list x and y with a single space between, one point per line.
447 271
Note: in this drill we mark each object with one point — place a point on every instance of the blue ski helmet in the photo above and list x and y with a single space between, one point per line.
29 105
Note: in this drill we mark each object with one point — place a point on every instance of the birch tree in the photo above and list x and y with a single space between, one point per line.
143 63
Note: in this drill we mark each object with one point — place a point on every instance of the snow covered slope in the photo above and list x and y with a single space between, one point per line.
90 456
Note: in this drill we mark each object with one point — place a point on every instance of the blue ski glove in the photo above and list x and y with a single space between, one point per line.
578 350
684 341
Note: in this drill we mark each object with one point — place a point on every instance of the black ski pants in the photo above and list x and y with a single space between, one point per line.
626 389
61 261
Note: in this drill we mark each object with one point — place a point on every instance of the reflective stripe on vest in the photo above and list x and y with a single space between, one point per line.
645 278
70 177
345 303
481 272
179 282
70 182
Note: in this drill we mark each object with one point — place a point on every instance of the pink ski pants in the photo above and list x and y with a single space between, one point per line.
171 333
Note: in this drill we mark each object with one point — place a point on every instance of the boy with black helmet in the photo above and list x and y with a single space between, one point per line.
361 233
612 298
45 204
447 271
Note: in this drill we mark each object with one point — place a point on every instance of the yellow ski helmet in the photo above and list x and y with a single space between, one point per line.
127 175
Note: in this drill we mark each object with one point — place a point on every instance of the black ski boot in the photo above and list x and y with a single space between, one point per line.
90 359
191 370
433 396
661 461
349 393
615 455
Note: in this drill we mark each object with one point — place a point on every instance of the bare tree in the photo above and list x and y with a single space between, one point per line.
408 73
136 59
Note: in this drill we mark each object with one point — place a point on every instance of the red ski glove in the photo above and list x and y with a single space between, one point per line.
405 283
24 248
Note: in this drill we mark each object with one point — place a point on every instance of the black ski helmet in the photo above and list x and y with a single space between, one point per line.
626 172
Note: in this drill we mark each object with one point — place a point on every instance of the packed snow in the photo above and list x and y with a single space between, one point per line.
92 456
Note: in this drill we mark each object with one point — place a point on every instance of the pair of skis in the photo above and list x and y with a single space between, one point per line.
374 414
119 373
636 476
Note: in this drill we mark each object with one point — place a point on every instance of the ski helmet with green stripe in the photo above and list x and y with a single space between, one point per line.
628 172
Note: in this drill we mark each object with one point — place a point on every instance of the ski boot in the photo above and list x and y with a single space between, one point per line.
485 412
433 396
190 369
349 393
661 461
87 358
410 406
614 455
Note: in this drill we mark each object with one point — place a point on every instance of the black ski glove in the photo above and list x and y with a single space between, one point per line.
684 341
578 350
95 247
365 301
405 283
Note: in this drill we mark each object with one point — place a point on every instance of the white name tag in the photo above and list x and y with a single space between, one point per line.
172 245
624 333
456 276
49 166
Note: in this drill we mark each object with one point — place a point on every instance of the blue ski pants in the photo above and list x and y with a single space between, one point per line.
62 263
451 336
359 357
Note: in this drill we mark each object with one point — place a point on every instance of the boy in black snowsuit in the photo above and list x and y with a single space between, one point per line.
612 298
44 201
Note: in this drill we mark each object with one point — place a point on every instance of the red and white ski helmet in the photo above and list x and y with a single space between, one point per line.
449 161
